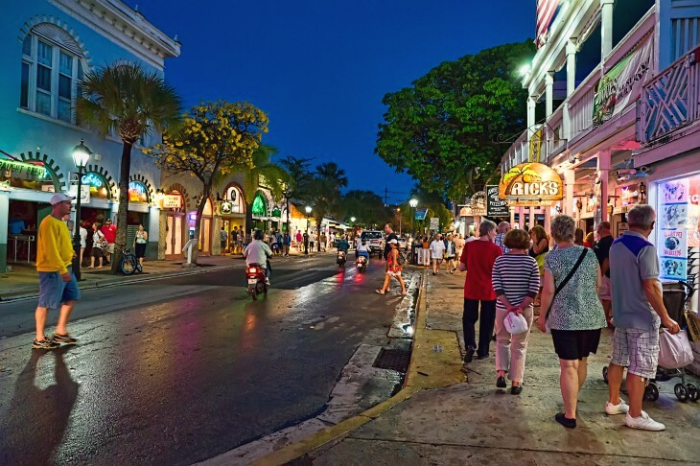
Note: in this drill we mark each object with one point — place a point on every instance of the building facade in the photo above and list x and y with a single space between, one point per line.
611 78
47 47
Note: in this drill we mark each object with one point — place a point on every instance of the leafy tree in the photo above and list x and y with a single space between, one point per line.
367 207
216 138
443 129
262 173
131 102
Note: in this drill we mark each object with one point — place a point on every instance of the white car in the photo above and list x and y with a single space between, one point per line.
403 244
375 239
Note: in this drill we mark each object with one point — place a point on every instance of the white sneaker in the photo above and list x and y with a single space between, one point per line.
643 422
621 408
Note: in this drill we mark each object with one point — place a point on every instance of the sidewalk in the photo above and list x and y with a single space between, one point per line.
439 418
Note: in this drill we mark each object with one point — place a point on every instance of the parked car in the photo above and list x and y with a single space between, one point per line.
403 244
375 239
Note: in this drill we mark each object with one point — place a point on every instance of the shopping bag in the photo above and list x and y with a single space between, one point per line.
675 350
515 324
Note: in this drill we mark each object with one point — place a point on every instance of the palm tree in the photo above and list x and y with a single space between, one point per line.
327 198
264 173
131 102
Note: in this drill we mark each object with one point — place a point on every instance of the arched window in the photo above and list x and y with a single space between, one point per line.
51 70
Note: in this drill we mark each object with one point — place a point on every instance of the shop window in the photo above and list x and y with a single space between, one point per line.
678 229
51 62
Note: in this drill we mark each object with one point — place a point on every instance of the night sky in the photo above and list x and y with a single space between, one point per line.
321 68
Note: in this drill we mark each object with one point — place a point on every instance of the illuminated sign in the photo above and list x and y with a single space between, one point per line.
226 207
137 192
259 207
172 201
531 184
97 185
18 167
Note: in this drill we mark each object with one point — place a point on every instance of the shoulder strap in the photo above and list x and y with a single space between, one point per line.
568 277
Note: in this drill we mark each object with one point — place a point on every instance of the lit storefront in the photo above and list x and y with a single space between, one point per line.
231 209
173 205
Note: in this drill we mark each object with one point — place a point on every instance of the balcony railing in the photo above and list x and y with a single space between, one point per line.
671 100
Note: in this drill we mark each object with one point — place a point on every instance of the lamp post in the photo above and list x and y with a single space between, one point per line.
306 235
81 155
413 203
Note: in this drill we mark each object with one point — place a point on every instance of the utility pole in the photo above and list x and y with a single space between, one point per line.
386 196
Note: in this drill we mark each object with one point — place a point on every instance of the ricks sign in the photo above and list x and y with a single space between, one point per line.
531 184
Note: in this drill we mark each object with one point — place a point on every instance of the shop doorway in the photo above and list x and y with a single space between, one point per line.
174 233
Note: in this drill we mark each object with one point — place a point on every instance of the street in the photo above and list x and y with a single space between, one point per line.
176 371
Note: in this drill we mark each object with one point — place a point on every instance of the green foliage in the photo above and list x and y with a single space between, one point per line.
444 126
299 177
126 99
367 207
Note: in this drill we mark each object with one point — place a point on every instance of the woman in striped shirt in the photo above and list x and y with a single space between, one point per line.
516 281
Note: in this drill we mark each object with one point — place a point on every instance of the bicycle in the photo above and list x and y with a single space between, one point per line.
130 264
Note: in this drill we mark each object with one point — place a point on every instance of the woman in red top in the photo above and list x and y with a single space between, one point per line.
393 268
477 259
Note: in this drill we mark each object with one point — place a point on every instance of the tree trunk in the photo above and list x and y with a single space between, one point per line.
206 192
120 242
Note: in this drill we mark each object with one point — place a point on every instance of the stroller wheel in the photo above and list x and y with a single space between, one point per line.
681 392
693 393
605 374
651 392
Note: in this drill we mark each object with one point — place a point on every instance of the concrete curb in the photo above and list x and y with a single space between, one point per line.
92 285
423 362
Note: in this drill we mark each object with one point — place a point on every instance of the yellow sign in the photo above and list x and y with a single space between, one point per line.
172 201
531 184
536 145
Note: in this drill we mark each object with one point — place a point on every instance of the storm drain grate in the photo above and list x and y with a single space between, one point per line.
393 359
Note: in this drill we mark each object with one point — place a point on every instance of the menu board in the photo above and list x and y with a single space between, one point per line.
673 228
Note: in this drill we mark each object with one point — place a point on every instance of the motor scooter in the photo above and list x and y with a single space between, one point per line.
341 258
361 263
255 274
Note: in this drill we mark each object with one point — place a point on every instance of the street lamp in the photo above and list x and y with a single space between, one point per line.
306 236
81 155
413 203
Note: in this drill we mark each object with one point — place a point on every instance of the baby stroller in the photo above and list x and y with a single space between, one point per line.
677 295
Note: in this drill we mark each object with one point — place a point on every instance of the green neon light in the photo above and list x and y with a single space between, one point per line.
259 206
23 166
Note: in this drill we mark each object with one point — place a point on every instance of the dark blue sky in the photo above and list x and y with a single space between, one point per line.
321 68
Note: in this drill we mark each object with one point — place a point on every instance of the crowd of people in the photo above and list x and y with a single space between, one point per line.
571 286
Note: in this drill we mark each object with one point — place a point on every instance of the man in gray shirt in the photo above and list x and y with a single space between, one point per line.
638 310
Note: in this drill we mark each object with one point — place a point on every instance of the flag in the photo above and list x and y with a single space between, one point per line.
545 14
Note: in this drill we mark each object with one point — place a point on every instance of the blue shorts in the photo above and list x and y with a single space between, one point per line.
53 291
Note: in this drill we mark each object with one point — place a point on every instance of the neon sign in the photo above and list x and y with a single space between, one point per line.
137 192
19 167
259 208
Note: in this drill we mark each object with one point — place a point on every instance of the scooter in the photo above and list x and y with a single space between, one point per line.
341 258
256 280
361 263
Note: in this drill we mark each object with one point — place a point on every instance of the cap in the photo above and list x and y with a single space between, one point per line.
393 241
60 197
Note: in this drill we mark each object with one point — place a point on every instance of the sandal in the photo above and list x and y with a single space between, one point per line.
380 292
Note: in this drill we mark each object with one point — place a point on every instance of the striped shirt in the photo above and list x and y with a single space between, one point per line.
515 276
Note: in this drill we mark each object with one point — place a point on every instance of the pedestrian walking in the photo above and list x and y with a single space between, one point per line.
312 240
274 246
223 236
58 287
323 240
638 311
578 237
239 241
499 240
83 240
589 242
437 252
459 245
538 251
516 282
450 252
300 239
572 310
110 233
99 244
477 260
140 243
394 268
286 243
388 236
602 252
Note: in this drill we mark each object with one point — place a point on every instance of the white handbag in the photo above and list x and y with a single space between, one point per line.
515 324
675 350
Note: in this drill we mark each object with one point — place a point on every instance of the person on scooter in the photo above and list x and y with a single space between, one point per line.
363 249
258 252
342 245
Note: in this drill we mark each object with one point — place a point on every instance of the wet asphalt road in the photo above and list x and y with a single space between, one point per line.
179 370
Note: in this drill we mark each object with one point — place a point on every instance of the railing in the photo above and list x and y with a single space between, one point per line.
554 131
671 100
517 152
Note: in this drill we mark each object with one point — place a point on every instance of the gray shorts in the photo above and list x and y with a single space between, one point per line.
638 350
53 291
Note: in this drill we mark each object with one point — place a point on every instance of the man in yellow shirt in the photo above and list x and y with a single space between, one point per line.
57 284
